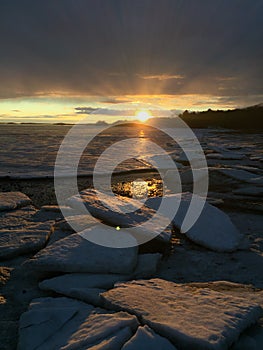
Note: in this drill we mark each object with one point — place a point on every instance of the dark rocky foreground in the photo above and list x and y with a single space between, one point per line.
57 288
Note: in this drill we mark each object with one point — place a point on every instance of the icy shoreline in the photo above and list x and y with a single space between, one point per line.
48 275
55 295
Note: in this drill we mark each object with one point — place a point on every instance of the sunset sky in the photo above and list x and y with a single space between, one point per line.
62 60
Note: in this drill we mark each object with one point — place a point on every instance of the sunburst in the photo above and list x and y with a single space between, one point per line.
142 116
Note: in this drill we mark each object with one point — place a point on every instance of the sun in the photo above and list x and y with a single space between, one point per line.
143 115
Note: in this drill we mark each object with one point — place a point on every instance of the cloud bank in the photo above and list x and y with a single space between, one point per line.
119 47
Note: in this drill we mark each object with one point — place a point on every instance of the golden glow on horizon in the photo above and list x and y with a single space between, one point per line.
62 109
143 115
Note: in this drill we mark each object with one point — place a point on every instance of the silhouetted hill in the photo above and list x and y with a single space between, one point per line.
127 123
247 118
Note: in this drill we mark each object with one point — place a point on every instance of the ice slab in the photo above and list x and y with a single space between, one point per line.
191 318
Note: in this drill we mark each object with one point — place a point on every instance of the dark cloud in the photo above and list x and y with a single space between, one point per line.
119 47
117 112
104 111
114 100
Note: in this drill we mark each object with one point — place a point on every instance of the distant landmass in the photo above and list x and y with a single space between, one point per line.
245 118
249 118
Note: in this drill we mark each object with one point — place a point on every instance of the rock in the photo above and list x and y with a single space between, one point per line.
200 319
213 229
163 237
13 200
132 219
17 218
20 217
88 295
250 191
4 275
226 156
87 287
62 323
246 343
145 338
81 281
53 212
234 147
252 169
187 176
239 201
217 180
80 222
57 209
242 175
215 201
146 265
57 235
115 341
73 224
23 241
170 181
245 291
252 339
160 162
256 158
153 234
76 254
44 318
194 156
43 215
117 215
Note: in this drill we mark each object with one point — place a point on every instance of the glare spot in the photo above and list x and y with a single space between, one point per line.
139 189
143 115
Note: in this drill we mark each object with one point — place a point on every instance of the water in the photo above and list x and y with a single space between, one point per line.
31 150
